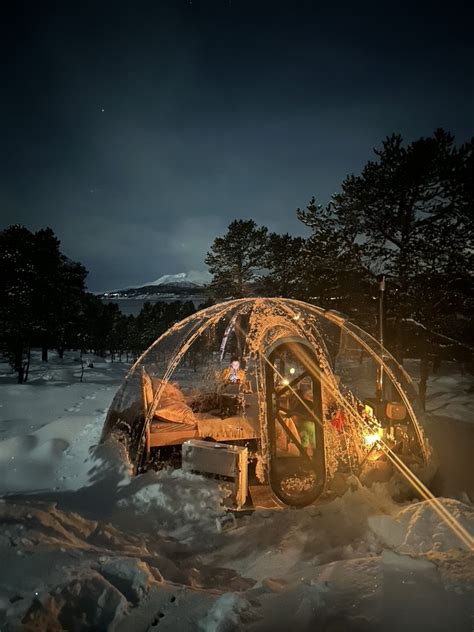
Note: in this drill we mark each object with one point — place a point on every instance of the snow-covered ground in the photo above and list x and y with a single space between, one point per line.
450 392
47 426
84 547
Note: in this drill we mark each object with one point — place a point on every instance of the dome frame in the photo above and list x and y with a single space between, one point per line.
257 327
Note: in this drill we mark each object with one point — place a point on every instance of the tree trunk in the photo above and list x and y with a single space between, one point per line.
20 373
44 354
61 353
27 365
82 367
424 374
437 361
19 368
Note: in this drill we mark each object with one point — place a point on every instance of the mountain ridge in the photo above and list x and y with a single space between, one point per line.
180 285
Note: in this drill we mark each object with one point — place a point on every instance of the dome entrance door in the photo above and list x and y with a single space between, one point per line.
295 423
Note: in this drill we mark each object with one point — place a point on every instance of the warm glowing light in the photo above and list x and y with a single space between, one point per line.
292 370
370 439
412 478
369 410
360 419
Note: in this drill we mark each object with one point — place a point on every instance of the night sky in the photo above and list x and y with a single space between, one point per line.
138 131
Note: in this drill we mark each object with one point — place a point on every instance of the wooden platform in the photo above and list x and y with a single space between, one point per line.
163 433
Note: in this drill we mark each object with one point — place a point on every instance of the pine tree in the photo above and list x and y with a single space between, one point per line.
236 259
18 319
333 275
40 293
286 264
409 215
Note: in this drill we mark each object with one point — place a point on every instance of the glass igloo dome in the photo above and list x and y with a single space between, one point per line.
307 392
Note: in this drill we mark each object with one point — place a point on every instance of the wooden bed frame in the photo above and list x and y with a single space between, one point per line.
161 432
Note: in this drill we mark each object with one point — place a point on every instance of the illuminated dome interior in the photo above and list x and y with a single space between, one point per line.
312 385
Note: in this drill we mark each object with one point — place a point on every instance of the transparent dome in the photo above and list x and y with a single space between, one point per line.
309 393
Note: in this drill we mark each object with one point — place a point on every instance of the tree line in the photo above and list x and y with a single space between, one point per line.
44 303
408 216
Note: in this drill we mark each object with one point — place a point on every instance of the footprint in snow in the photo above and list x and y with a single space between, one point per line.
74 409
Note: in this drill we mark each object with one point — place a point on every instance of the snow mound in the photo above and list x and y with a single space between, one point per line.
86 603
418 529
274 543
425 531
226 614
57 456
131 576
63 571
180 503
50 583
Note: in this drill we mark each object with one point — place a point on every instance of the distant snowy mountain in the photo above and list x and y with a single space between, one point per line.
168 286
191 278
